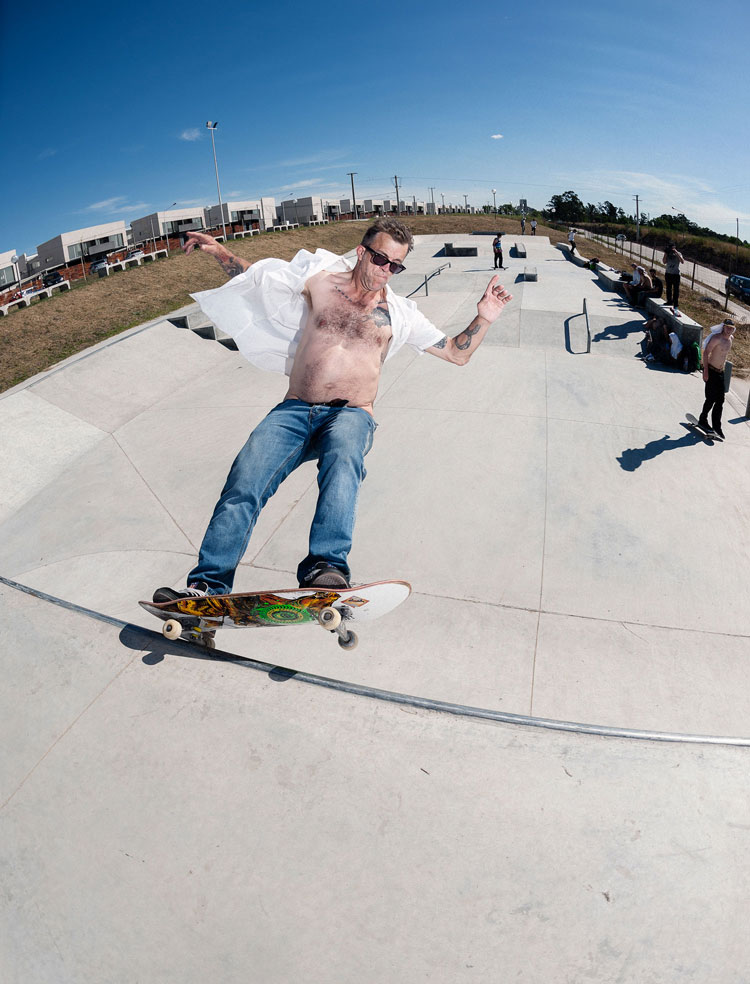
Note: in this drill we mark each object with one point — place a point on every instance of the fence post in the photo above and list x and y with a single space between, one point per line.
692 282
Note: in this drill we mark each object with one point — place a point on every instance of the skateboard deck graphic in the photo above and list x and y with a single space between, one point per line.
333 609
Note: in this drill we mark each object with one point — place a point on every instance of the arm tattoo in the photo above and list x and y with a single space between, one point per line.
231 266
469 334
442 343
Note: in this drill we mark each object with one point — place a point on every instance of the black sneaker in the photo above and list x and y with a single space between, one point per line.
325 576
719 432
198 589
704 424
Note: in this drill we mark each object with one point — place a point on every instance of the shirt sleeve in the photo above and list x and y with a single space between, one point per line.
411 327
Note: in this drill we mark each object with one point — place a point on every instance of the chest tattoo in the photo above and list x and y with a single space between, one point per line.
351 323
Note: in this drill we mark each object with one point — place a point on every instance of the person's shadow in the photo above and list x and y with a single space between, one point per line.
632 458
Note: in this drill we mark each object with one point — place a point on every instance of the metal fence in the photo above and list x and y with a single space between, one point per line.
652 257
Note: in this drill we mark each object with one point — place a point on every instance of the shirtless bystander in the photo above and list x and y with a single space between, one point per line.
714 359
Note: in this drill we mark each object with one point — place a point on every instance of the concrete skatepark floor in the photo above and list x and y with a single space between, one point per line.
576 553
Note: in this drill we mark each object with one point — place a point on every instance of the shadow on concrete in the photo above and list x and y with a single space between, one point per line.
632 458
156 647
618 332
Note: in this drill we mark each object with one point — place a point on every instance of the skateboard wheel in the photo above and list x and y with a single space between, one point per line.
349 641
172 629
330 619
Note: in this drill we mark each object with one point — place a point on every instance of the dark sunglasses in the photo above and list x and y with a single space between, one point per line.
380 260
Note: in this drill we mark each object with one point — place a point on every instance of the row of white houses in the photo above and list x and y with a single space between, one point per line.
172 225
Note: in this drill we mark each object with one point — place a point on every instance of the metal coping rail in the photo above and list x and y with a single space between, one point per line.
393 697
427 278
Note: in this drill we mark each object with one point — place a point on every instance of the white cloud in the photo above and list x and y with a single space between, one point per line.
496 136
108 205
193 133
47 152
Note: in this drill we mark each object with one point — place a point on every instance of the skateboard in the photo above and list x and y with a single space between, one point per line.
197 619
693 424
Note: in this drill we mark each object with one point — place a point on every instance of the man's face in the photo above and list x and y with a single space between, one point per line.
729 330
373 276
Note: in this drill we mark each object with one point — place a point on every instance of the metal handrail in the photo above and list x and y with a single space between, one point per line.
588 327
428 277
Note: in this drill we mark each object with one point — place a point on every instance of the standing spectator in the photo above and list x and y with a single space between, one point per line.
714 360
523 224
533 227
497 249
655 290
672 259
572 240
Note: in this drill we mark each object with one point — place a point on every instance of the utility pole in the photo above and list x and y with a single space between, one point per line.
443 197
398 200
466 204
354 200
637 219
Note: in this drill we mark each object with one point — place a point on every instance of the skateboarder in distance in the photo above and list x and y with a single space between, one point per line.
338 325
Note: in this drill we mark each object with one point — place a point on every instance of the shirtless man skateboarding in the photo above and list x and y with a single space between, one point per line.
337 340
714 359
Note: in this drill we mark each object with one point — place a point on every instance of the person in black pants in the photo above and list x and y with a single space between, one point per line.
714 360
672 260
497 250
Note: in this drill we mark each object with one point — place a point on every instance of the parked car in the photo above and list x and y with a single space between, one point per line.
97 265
740 286
133 254
52 278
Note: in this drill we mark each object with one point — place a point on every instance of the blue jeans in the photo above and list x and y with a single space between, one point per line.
293 432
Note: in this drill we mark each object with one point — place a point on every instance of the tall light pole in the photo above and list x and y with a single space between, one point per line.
212 126
14 261
166 234
354 200
494 203
466 204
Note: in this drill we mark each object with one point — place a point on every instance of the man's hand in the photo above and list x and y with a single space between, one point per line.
493 301
201 240
230 264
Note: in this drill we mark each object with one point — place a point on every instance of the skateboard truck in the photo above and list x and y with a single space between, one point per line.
330 619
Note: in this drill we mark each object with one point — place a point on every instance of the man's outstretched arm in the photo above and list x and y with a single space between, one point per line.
229 263
460 349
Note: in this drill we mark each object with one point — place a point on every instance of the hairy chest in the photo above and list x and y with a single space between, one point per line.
351 324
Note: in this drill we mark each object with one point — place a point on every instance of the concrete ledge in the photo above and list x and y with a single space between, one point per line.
581 261
688 331
521 251
451 250
529 273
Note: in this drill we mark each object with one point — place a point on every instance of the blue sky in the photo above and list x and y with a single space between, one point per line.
105 106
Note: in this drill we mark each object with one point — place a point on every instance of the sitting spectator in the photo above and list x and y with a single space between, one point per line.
636 283
657 345
655 290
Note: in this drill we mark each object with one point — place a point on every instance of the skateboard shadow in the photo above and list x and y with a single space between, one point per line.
155 647
632 458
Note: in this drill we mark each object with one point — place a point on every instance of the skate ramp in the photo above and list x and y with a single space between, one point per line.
577 555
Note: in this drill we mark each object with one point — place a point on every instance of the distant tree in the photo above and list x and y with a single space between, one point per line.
567 207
